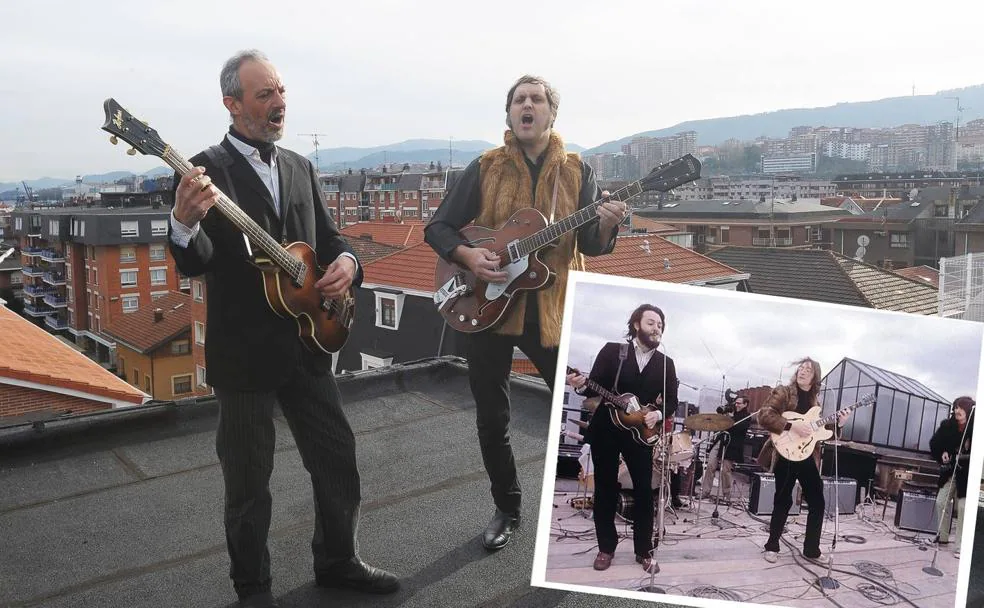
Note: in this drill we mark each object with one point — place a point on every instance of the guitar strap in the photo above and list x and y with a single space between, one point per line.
221 158
553 204
623 352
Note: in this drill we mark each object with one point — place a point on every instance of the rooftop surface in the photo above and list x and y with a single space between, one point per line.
125 508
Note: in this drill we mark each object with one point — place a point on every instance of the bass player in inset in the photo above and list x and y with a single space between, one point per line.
638 368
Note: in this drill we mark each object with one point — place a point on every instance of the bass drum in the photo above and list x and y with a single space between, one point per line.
624 506
625 480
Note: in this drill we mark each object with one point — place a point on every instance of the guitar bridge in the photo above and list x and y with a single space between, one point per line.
452 289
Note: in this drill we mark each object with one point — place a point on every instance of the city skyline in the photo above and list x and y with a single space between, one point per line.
373 76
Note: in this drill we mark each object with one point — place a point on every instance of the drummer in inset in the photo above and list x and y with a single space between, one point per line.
635 367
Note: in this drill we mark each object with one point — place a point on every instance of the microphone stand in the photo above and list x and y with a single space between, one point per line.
664 484
829 582
950 488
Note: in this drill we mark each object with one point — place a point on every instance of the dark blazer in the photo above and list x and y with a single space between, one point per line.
737 434
646 384
247 346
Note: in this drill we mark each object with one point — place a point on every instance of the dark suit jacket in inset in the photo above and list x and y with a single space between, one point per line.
247 346
646 384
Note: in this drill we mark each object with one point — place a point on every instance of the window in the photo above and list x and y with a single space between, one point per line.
180 347
122 368
158 276
184 283
53 227
136 377
199 332
82 232
130 303
68 293
68 272
158 227
129 229
200 372
197 292
147 384
181 384
940 211
157 253
19 223
157 295
899 239
389 307
128 278
725 234
128 253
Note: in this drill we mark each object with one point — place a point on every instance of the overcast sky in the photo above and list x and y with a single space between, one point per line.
375 73
751 339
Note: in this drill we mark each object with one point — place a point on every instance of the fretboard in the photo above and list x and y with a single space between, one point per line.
579 218
280 256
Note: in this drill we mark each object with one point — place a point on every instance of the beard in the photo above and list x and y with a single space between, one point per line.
648 340
262 131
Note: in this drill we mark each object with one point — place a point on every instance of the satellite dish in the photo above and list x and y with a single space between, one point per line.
863 240
859 254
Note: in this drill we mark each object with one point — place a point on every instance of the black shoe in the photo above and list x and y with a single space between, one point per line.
264 599
500 529
356 574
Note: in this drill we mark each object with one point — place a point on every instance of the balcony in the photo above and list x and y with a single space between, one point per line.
380 186
55 322
31 252
432 185
54 278
55 301
36 291
37 311
32 271
768 242
50 255
330 188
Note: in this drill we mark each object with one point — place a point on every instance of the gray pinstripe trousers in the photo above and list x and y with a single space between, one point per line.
245 446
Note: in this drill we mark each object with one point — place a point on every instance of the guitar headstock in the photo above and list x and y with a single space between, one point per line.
135 132
867 400
669 175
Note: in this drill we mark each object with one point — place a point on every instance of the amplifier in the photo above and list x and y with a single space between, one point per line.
846 492
763 494
916 510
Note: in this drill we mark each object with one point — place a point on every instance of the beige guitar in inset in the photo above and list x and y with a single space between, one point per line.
793 447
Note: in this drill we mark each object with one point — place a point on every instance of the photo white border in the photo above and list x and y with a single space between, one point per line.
538 574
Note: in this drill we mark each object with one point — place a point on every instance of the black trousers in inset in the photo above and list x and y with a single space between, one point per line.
787 472
490 359
607 442
245 445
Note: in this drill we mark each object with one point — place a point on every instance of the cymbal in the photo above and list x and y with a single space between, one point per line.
708 422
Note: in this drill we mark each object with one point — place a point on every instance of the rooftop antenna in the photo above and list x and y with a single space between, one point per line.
314 136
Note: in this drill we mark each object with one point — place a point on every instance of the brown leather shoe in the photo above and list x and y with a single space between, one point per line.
648 564
603 561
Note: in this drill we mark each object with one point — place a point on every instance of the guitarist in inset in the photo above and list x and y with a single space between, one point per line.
800 395
254 358
651 377
950 446
532 169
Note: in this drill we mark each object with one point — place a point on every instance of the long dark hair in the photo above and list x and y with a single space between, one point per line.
636 317
815 384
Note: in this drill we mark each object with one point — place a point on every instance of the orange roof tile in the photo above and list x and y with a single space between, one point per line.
411 268
30 354
923 274
139 330
405 234
635 255
644 256
367 250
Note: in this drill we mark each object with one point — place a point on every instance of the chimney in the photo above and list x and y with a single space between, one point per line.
158 315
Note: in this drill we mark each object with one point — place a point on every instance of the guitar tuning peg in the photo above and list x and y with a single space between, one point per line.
113 140
132 151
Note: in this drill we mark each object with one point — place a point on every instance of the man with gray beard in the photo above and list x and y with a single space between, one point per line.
254 358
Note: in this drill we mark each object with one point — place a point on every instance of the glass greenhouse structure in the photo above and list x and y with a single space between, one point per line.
905 414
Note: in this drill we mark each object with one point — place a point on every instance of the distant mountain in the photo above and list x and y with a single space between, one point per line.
890 112
410 151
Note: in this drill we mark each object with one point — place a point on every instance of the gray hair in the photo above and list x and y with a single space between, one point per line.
229 77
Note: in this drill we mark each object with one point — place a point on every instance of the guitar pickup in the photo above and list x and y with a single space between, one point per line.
453 288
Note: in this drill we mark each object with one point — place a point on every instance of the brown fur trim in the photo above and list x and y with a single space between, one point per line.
506 188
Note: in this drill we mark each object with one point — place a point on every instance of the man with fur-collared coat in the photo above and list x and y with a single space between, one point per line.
534 170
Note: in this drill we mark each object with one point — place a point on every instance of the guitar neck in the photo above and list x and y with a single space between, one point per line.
572 222
822 422
607 394
280 256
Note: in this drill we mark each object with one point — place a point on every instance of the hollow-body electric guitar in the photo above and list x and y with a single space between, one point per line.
793 447
470 304
290 271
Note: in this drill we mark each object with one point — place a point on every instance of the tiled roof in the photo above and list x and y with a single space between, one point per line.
802 209
824 276
925 274
410 181
367 250
887 290
405 234
410 268
140 331
645 256
30 354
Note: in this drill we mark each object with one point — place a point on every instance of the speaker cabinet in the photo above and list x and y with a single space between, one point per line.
916 510
763 493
